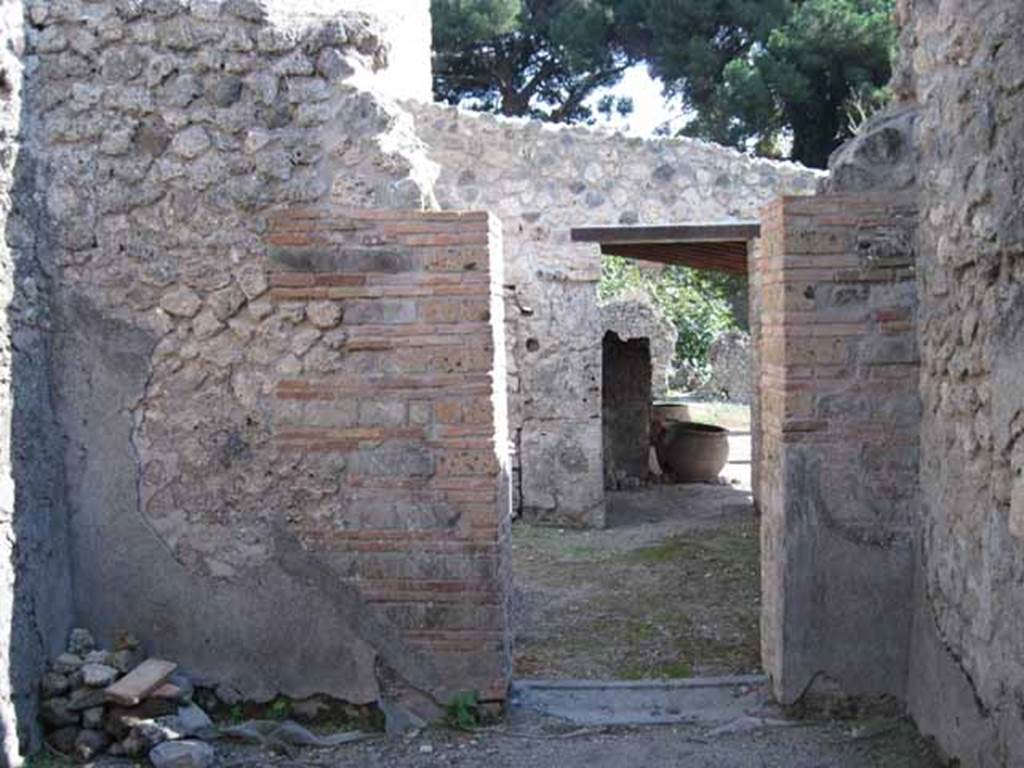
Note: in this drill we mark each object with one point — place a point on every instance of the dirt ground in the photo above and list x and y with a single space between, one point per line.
528 741
671 588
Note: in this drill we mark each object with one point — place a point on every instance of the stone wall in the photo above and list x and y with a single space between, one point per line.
35 592
407 32
837 439
964 62
730 374
631 317
148 338
541 181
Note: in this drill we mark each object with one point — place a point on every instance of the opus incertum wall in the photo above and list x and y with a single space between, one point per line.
839 414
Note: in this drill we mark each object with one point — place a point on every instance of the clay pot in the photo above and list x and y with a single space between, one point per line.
663 414
692 452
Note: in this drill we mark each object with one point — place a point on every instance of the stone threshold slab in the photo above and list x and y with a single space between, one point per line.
705 701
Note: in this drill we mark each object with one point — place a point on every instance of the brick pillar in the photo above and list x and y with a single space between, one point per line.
839 416
413 409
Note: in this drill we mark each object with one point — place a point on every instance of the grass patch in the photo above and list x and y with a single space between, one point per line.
560 543
736 548
671 670
686 605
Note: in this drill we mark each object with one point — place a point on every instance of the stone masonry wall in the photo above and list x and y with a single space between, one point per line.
964 63
541 181
636 317
408 33
838 413
157 138
35 593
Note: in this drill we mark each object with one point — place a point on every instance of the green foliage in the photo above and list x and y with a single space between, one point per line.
809 71
688 43
536 58
468 22
830 57
757 74
280 708
696 302
463 711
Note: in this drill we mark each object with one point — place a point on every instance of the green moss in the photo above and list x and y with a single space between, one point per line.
559 543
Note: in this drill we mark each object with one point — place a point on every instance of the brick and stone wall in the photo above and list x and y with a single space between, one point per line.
410 419
834 286
964 64
141 155
541 181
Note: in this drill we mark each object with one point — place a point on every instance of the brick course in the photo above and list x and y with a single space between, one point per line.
419 521
837 437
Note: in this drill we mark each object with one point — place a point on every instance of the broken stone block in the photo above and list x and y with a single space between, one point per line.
54 684
94 718
89 744
182 754
63 739
81 641
57 713
168 691
140 682
178 688
85 698
181 302
125 660
144 737
188 721
67 663
134 746
98 675
97 657
121 720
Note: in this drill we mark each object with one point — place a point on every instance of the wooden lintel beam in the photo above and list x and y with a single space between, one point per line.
668 233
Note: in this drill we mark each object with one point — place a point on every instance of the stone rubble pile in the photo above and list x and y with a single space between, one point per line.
118 702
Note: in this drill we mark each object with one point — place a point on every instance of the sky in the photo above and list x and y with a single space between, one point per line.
650 109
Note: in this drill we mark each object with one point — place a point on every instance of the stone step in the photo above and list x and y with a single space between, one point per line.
706 701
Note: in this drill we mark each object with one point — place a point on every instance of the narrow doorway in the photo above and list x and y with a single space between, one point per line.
625 410
670 588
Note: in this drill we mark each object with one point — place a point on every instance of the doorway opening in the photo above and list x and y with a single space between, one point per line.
670 588
625 410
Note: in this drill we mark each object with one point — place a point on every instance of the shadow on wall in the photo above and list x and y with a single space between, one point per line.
34 567
626 410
